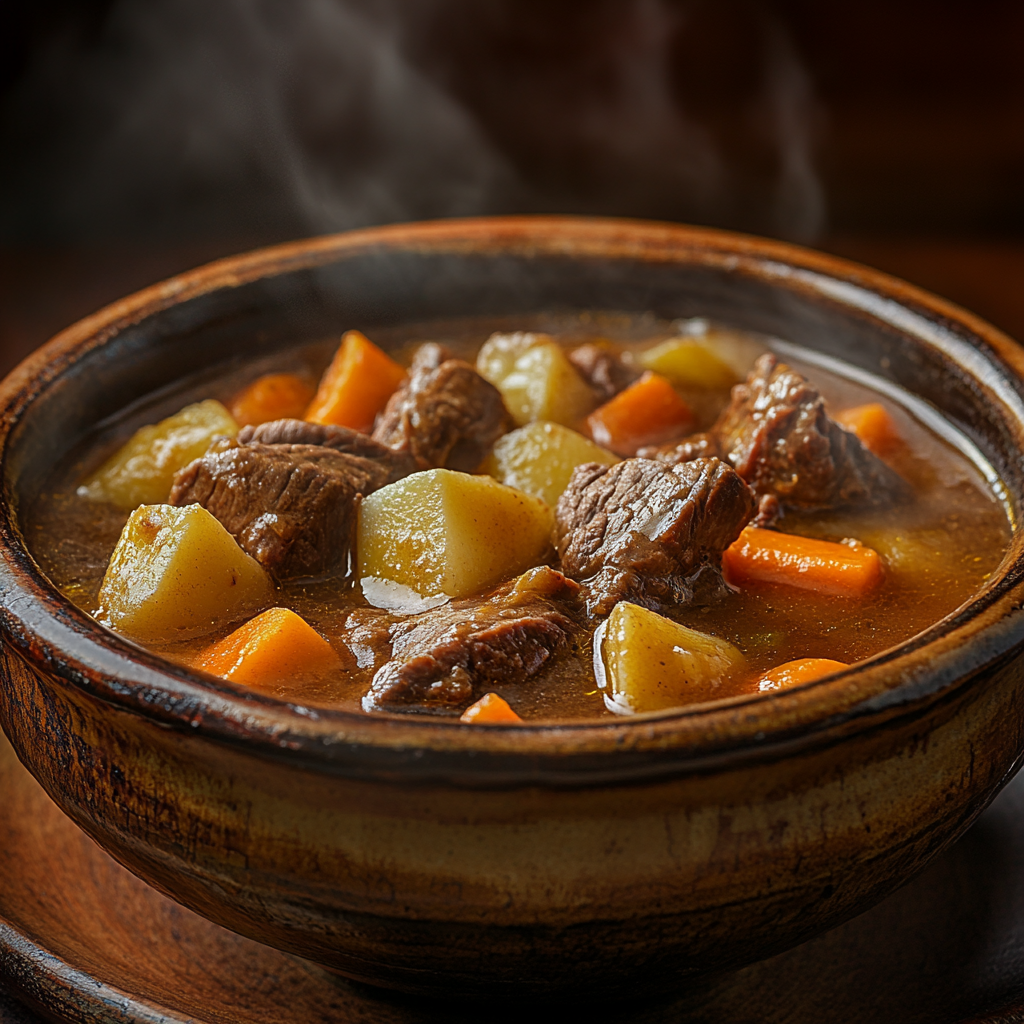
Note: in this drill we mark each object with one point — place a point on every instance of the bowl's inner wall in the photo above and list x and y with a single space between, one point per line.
388 288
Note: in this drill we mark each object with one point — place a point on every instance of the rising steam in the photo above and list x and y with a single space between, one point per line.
278 117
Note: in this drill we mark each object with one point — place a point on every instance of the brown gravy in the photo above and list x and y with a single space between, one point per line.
938 550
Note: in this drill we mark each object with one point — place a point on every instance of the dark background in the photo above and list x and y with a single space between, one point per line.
140 137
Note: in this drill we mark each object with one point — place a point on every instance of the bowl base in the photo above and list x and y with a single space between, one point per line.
80 935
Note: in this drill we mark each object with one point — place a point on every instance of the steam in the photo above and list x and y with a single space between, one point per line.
799 196
640 124
275 118
308 106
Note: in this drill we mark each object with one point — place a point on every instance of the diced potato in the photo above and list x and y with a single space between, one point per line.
544 385
645 662
736 349
540 457
177 573
689 363
142 471
442 532
498 354
535 378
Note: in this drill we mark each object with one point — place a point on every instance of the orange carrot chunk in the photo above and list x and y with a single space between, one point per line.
356 386
270 650
802 670
872 424
647 412
274 396
490 709
765 556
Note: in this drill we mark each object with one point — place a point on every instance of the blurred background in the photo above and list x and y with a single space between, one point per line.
142 137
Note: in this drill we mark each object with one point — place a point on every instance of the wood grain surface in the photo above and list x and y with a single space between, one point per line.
84 937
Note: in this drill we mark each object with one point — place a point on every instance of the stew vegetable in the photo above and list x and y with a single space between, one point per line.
555 525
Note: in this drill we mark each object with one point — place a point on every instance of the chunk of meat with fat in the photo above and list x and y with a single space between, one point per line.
781 441
444 658
696 446
292 507
429 356
445 415
643 531
603 369
341 439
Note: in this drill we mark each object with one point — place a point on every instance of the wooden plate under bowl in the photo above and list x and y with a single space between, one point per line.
86 941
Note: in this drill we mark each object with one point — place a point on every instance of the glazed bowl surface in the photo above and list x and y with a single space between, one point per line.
583 857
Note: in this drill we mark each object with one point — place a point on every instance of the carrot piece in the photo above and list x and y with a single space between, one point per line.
802 670
274 396
271 649
356 386
490 709
872 424
765 556
647 412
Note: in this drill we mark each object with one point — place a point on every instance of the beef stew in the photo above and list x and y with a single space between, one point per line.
557 525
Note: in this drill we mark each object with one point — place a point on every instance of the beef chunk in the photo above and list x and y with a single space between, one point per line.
292 507
769 511
696 446
779 438
443 659
642 531
603 369
445 414
341 439
429 356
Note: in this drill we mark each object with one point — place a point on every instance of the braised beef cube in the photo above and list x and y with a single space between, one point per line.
696 446
292 507
603 369
429 356
779 438
642 531
444 414
444 659
341 439
769 511
367 636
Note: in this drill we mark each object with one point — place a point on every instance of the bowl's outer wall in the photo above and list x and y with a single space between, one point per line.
575 868
439 889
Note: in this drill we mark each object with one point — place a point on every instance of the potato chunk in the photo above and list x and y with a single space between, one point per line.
442 532
535 378
540 457
142 471
498 354
645 662
689 363
177 573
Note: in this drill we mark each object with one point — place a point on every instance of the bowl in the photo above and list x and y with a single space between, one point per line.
594 857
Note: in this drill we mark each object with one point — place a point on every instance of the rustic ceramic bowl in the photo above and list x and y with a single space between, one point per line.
434 858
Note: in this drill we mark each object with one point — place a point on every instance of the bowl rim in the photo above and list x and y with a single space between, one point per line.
68 647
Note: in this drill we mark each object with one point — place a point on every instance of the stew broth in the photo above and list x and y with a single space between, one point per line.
937 549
